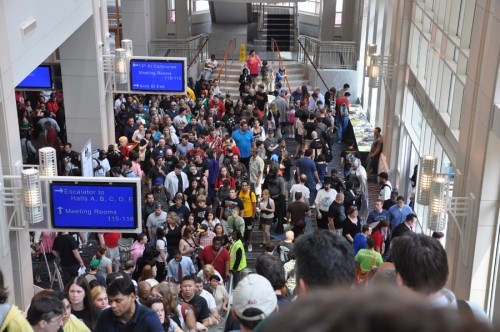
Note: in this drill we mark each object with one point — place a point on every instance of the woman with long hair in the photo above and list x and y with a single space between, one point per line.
148 274
378 235
223 175
188 245
78 291
267 209
190 221
219 231
106 265
162 311
173 233
169 292
191 193
99 298
304 100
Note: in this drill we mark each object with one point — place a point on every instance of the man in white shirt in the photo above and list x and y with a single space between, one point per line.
324 198
210 65
385 186
176 181
101 165
214 313
302 188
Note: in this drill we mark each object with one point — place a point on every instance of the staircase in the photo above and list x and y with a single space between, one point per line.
297 76
277 22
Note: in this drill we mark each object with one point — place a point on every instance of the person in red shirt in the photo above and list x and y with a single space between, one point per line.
217 256
219 105
111 241
52 105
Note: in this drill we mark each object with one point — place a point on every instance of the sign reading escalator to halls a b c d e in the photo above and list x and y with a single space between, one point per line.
93 205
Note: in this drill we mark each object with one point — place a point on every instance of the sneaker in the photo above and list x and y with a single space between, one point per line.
312 206
250 249
340 142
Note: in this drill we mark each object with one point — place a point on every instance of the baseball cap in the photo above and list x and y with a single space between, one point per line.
95 263
158 181
254 292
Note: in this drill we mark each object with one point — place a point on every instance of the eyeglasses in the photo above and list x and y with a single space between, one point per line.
58 320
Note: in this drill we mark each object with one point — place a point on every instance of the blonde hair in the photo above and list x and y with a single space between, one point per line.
96 291
123 139
209 269
175 218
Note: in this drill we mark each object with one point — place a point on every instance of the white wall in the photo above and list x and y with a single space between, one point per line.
56 20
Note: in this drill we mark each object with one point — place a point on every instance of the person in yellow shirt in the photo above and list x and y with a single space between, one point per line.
249 207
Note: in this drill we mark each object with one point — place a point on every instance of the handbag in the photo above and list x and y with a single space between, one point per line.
361 277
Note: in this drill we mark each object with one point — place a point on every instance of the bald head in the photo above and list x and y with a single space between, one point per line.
339 198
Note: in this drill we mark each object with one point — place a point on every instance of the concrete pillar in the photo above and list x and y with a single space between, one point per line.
182 19
15 256
327 21
136 21
84 89
473 258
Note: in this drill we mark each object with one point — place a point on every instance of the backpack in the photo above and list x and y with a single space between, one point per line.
284 253
344 111
327 151
264 71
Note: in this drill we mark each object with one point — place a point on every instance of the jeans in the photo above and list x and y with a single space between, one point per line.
312 189
342 126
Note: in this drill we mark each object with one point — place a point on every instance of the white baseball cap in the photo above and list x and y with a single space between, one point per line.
254 291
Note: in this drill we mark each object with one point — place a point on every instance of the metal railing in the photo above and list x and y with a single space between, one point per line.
308 59
191 48
274 44
327 54
231 45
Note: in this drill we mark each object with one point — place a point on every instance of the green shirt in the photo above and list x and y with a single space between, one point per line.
365 257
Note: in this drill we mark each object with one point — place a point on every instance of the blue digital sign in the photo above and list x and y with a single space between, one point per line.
40 78
162 76
93 205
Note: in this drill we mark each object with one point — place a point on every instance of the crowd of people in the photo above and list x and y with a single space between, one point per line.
212 168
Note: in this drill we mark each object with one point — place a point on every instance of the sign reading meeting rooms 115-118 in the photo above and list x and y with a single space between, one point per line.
93 205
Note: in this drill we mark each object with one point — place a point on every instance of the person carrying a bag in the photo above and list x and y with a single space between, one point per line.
366 259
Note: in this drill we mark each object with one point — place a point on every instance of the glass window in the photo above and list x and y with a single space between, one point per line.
200 6
310 6
170 10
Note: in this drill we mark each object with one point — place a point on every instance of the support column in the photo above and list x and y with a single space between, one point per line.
15 255
136 21
182 19
327 20
83 85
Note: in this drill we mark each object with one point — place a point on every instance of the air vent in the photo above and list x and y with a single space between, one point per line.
28 27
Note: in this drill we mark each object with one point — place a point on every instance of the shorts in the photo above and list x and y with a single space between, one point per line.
266 221
298 139
248 223
254 75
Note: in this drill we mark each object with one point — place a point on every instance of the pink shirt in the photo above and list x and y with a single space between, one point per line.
136 251
253 64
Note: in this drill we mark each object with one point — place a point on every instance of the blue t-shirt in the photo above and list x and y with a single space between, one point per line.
397 216
183 149
321 171
375 216
358 243
243 142
307 167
